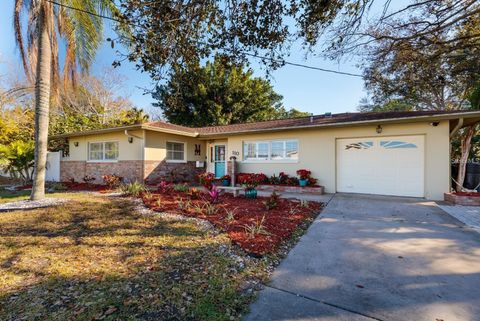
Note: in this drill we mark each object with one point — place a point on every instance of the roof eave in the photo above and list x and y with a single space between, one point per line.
96 131
130 127
170 131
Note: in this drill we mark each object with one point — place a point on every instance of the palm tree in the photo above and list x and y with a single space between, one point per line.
39 51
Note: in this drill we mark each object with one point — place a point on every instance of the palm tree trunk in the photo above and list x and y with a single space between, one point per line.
466 142
42 105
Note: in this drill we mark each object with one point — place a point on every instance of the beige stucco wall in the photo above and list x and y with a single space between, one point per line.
127 151
317 152
155 146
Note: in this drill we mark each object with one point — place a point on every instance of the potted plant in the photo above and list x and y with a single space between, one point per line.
250 185
226 179
303 175
206 179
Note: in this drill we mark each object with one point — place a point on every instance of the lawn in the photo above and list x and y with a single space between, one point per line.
96 258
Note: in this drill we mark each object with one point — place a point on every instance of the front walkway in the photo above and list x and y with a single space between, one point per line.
377 258
468 215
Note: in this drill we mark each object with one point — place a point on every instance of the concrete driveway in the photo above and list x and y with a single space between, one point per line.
377 258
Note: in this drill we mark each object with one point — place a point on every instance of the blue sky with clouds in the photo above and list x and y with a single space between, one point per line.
307 90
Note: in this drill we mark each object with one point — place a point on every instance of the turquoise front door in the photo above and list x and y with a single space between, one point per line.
219 160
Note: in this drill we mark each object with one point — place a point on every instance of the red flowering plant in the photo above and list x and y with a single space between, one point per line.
312 181
304 174
165 187
206 179
261 178
243 178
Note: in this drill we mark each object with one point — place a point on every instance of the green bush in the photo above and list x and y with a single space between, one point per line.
134 189
181 188
17 159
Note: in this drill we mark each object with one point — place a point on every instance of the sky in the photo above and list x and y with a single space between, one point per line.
304 89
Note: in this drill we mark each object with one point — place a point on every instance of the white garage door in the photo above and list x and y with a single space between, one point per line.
386 165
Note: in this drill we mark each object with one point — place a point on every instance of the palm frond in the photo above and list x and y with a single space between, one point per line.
19 37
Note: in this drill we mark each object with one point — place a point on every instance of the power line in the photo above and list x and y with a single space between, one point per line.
285 62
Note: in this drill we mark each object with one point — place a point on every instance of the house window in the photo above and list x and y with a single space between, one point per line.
275 150
175 151
103 151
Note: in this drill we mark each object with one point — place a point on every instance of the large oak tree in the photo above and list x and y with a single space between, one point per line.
219 93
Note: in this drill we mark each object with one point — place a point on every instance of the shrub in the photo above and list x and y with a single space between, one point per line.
210 209
88 179
261 178
134 189
214 194
164 187
57 187
293 181
112 181
230 214
274 180
256 228
181 205
194 193
17 159
181 188
312 181
283 178
206 179
272 201
250 180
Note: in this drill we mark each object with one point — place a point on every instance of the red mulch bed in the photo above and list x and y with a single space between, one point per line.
280 222
467 194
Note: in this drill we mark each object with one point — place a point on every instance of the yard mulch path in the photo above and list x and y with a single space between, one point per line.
277 224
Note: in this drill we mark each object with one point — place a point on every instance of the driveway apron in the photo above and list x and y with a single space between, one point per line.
377 258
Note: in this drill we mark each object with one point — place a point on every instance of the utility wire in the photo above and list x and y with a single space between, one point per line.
228 49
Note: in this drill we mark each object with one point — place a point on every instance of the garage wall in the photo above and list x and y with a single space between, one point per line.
317 152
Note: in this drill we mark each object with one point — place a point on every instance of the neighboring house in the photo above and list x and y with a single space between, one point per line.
391 153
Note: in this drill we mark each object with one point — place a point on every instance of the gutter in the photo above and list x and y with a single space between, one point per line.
459 125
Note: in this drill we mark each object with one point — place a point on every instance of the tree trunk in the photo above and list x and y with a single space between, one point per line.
42 105
465 150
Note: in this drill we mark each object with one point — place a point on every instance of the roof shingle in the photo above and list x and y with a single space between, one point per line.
301 121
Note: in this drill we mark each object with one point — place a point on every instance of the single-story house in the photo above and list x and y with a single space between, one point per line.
389 153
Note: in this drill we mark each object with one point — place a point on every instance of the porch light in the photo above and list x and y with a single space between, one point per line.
75 144
379 129
130 139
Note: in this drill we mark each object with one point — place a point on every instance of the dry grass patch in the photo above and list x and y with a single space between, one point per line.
96 258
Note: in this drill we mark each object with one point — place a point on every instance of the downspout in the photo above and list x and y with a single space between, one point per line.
459 125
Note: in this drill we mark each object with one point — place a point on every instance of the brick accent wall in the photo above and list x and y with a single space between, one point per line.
462 199
156 171
129 170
